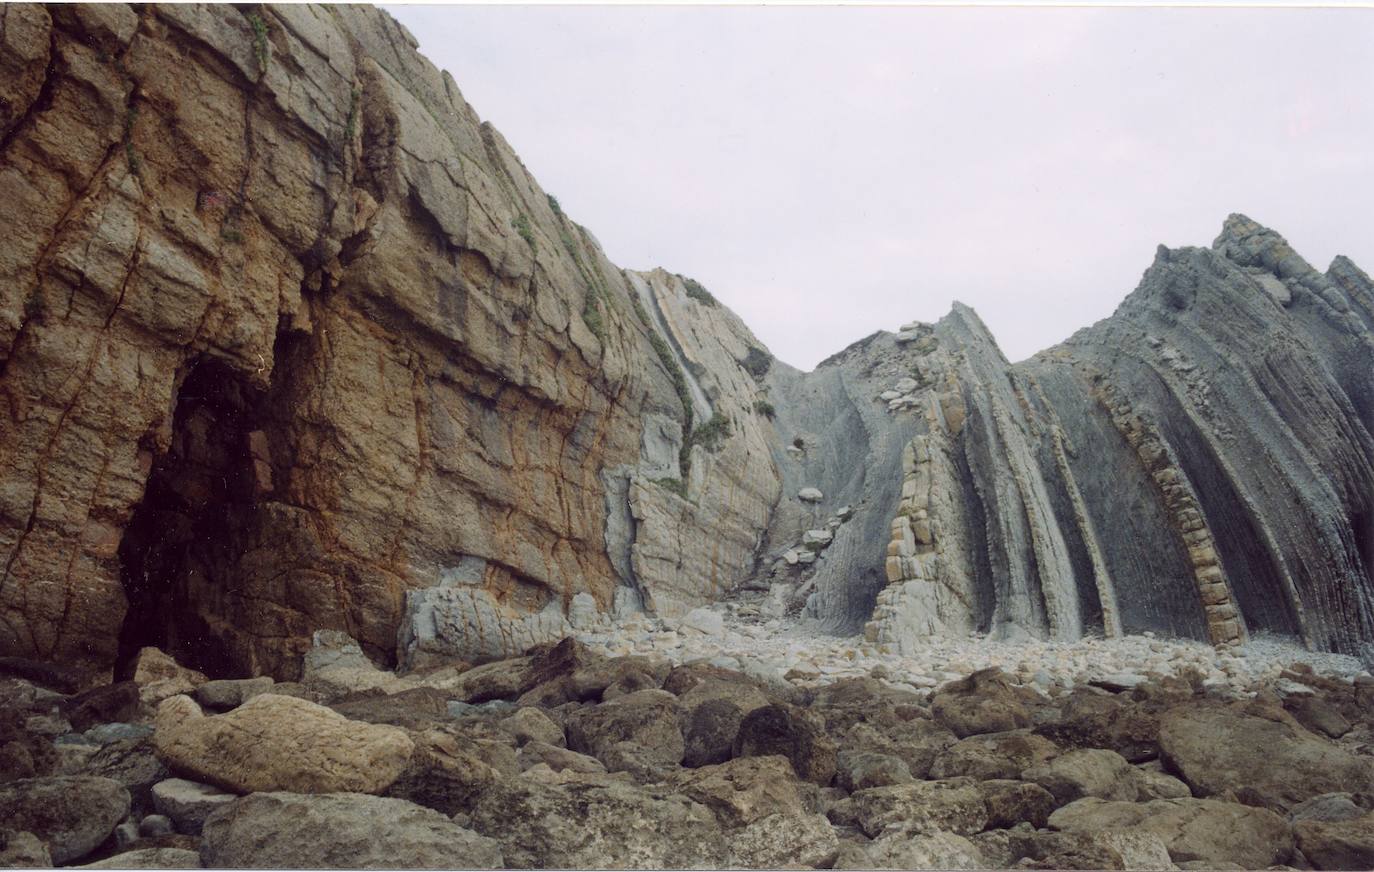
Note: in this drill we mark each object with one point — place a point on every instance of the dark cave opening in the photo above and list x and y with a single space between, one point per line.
180 539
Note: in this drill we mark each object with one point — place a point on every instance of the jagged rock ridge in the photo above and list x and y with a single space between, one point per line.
290 340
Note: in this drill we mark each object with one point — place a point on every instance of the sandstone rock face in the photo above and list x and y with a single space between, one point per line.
291 341
291 831
277 743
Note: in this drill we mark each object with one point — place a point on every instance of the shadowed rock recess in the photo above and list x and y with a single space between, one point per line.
290 340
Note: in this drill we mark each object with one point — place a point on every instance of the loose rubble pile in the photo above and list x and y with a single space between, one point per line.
719 743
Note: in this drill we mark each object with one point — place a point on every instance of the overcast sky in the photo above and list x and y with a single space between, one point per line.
827 172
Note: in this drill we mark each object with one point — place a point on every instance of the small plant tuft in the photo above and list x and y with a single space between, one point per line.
591 316
354 105
676 485
697 291
711 434
260 47
521 224
553 204
765 408
757 362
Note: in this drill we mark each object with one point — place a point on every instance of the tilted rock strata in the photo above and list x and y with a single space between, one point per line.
291 341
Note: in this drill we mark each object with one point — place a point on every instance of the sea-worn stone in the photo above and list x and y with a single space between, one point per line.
953 805
277 742
1086 772
557 758
532 725
416 709
858 770
159 676
23 850
709 732
102 705
1192 829
984 702
791 732
742 791
148 858
648 719
780 841
188 803
919 849
1216 749
603 825
993 755
1013 802
448 771
132 763
1328 808
72 815
1338 844
1105 849
229 693
296 831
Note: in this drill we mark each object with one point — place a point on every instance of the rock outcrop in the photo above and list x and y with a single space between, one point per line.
291 341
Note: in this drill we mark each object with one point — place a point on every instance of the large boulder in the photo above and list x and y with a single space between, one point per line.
742 791
993 755
415 709
1265 762
606 825
279 743
1104 849
917 743
1341 844
23 850
648 719
71 814
131 762
148 858
954 806
1086 772
781 841
904 849
1193 829
984 702
102 705
1013 802
791 732
1089 719
188 803
448 772
158 676
709 732
340 830
226 693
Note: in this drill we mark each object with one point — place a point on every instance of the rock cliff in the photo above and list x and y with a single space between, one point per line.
290 340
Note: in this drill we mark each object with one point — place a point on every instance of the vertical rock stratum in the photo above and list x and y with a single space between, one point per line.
290 340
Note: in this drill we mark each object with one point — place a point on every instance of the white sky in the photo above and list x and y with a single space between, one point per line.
830 171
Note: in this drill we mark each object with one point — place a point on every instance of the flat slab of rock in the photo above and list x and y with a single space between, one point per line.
72 814
341 830
1192 829
188 803
279 743
1215 749
227 693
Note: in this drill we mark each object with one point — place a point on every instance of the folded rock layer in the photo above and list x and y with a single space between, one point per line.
290 340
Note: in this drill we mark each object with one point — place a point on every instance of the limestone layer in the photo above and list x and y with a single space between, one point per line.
290 340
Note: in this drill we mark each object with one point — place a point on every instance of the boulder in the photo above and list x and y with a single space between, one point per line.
903 849
132 763
335 666
744 790
648 718
609 825
503 679
71 814
709 732
1108 849
1192 829
1329 807
277 743
158 676
1318 715
781 841
1096 720
557 758
1340 844
23 850
447 772
224 694
149 858
861 769
340 830
917 743
953 805
1012 802
1215 749
1157 784
810 495
419 708
1086 772
993 755
532 725
102 705
791 732
188 803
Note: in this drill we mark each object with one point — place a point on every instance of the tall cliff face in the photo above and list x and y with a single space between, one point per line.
290 340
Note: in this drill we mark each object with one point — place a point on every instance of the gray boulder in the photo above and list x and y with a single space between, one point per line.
188 803
71 814
339 830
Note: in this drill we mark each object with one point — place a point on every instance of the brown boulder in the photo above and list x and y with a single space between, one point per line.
648 719
993 755
1344 844
984 702
790 732
742 791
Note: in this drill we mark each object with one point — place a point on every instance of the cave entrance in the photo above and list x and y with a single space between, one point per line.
181 539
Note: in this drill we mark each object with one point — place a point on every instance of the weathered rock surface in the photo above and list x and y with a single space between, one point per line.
149 858
187 803
341 830
278 742
72 815
1344 844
